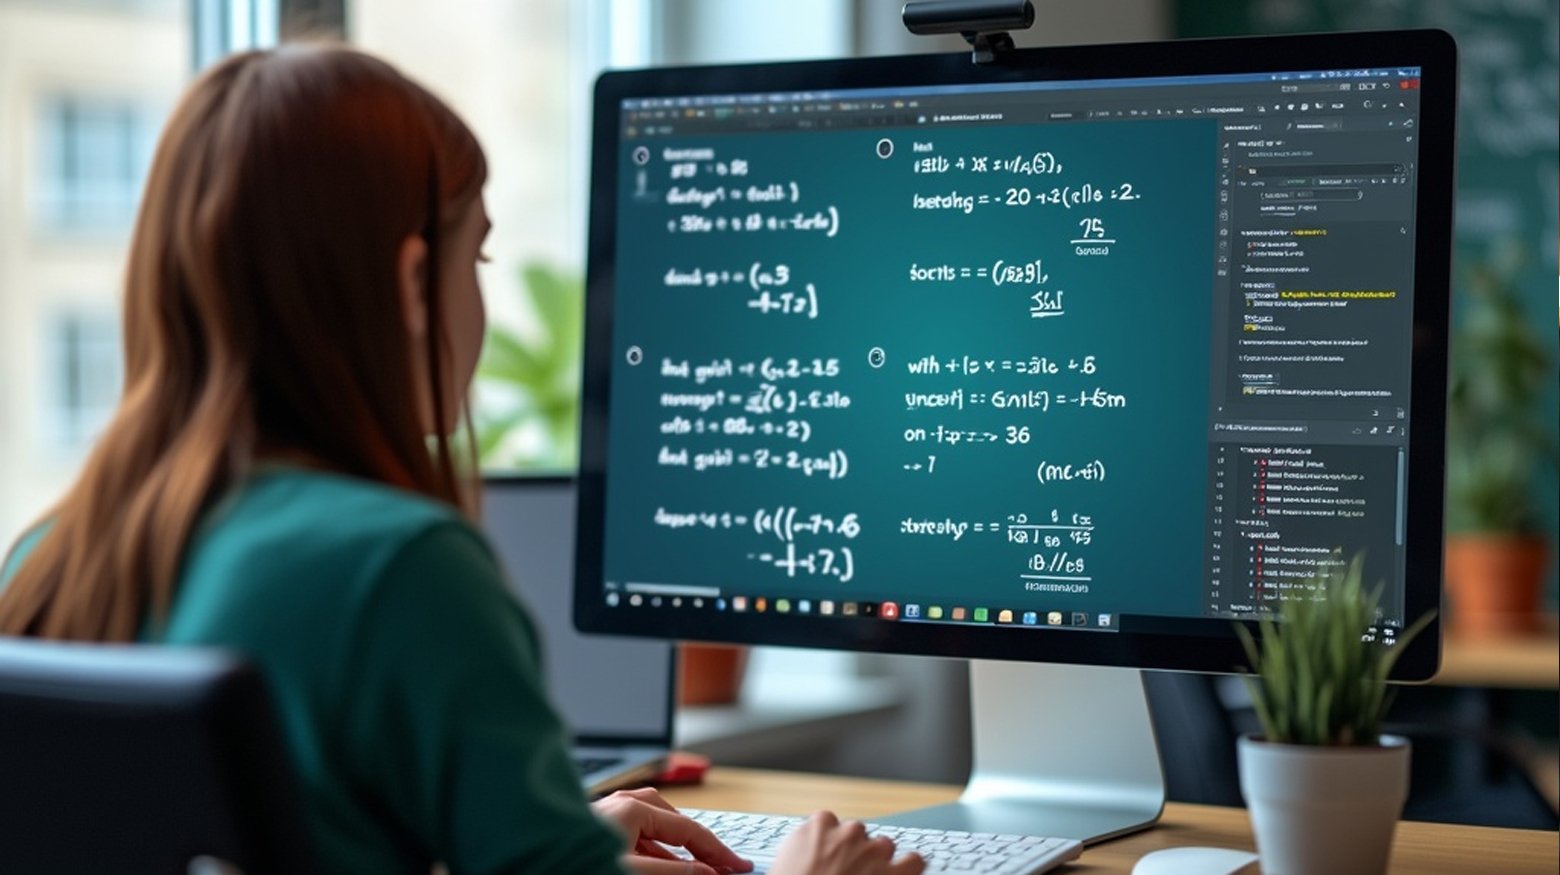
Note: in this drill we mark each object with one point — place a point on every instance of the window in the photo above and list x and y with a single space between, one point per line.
93 158
83 373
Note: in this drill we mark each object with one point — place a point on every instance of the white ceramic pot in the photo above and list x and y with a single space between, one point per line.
1324 810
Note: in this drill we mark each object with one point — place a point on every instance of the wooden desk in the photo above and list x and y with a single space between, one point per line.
1530 662
1421 848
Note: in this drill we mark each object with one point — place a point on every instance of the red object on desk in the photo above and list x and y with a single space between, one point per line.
683 768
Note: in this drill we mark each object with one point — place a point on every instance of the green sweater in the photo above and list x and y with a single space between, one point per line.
406 678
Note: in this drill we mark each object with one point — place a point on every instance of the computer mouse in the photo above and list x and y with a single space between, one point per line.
1197 861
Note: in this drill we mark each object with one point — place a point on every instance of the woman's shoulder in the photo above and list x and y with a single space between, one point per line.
338 505
301 523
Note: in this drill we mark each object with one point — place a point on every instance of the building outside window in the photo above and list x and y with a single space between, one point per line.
85 86
84 376
93 158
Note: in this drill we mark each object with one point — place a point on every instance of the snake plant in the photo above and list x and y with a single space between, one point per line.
1320 680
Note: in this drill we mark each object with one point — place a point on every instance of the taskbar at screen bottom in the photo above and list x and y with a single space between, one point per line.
697 598
673 597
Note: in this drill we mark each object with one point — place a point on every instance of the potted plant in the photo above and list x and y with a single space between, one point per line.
1498 447
1323 785
528 387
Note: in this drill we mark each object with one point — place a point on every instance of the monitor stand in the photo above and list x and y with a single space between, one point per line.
1059 750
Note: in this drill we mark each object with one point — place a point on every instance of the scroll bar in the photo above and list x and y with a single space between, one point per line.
1403 495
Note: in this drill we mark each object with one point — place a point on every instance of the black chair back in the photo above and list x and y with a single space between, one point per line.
139 759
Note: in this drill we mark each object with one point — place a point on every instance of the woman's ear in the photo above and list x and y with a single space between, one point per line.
411 279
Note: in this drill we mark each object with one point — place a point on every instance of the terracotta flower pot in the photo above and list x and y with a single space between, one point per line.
1494 583
710 674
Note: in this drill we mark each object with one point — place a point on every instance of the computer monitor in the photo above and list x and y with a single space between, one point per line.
1077 357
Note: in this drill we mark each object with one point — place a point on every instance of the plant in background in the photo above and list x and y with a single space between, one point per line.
1318 680
1498 443
528 388
1500 449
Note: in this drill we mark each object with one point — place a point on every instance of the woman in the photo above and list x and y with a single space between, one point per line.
302 321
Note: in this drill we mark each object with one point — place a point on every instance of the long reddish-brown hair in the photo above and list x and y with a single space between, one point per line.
261 315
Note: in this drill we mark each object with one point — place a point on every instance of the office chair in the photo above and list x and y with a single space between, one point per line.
139 759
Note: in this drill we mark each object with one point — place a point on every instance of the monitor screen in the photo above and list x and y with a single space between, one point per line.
1077 357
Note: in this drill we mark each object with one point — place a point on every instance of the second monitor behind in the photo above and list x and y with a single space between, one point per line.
607 688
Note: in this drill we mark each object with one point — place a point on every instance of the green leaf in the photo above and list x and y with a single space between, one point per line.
507 359
1324 712
491 434
1259 702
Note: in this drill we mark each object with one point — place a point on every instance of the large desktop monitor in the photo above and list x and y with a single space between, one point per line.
1076 357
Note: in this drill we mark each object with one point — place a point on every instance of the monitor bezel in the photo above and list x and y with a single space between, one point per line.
1205 645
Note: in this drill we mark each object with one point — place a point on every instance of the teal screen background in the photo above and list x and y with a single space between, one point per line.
1142 313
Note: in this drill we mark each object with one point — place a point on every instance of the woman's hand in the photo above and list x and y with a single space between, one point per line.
824 846
648 821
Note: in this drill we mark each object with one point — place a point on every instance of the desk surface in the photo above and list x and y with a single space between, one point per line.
1524 662
1421 848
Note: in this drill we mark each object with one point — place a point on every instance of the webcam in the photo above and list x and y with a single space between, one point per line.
984 24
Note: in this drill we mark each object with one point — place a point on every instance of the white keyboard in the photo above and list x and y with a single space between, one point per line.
758 836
